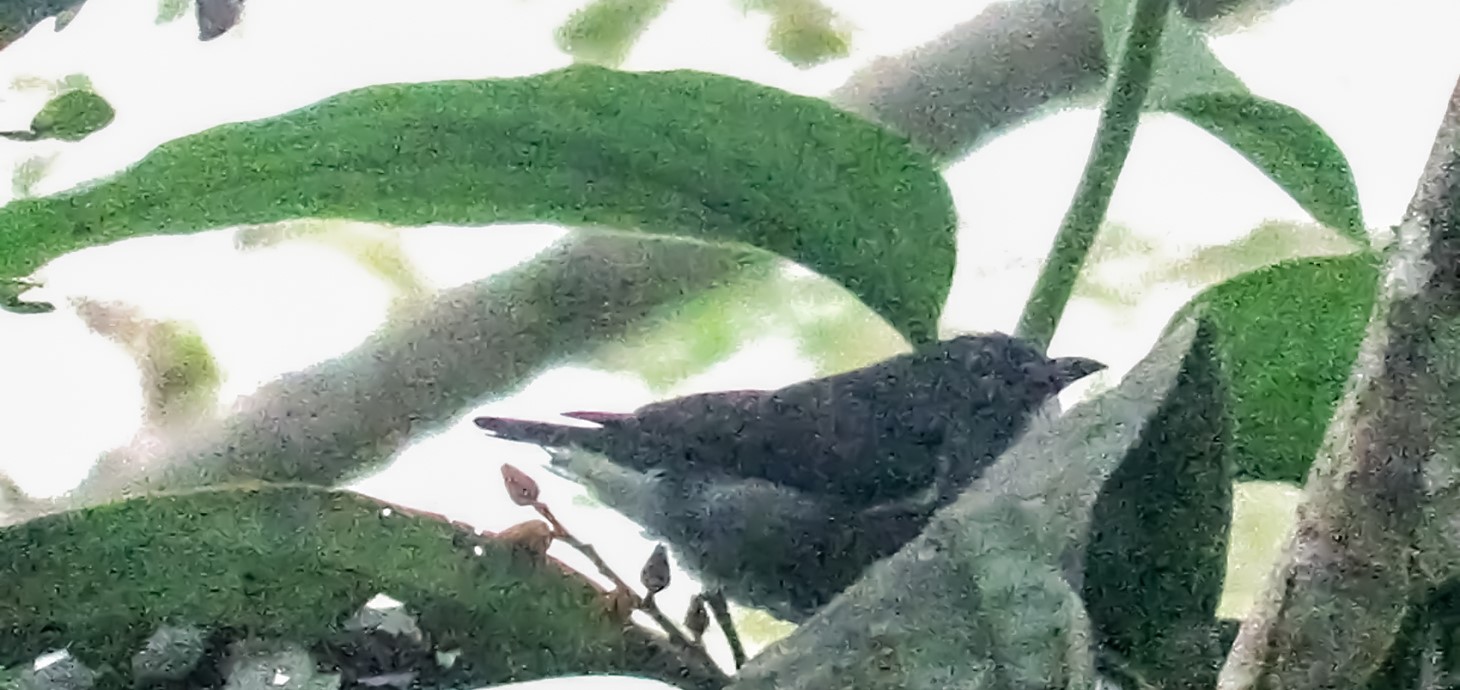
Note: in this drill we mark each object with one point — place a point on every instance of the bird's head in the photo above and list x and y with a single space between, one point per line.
1017 362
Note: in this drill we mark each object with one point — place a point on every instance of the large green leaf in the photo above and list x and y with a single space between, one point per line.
294 563
683 153
1288 335
1157 555
1289 148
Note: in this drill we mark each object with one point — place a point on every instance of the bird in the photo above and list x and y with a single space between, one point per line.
869 436
781 550
780 499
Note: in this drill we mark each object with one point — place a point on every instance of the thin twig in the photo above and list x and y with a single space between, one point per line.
716 600
647 604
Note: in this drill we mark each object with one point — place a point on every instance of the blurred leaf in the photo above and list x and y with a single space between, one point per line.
804 32
1288 147
171 10
1185 66
1157 554
20 16
377 250
1288 335
681 153
294 563
72 116
216 17
1269 243
74 82
808 37
683 339
29 173
604 32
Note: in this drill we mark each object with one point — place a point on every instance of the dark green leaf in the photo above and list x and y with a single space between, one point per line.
20 16
1289 148
292 563
72 116
604 31
1287 335
680 153
1157 554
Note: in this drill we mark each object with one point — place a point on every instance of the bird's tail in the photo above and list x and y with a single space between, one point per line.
545 434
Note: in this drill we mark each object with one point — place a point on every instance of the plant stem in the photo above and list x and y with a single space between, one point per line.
1118 119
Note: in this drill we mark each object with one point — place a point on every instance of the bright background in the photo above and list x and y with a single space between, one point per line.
1374 75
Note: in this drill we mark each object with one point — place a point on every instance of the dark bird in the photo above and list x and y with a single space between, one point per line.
780 499
775 548
867 436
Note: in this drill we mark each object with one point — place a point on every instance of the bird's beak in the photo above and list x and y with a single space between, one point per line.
1068 370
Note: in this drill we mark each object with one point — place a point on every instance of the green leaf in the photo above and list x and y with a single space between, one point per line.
20 16
604 32
679 153
72 116
1157 555
1288 147
171 10
1288 335
1185 66
294 563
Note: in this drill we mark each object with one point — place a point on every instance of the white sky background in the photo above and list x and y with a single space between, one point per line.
1375 75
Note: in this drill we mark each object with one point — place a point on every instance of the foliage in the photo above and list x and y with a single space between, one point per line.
1113 521
809 182
98 582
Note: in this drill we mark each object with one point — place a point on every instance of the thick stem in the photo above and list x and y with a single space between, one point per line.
1118 121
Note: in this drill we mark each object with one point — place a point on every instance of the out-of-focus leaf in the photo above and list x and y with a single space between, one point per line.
1288 147
1185 66
28 173
171 10
680 153
604 32
294 563
216 17
20 16
808 38
72 116
1287 335
1157 554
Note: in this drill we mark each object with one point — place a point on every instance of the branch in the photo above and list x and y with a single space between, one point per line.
1339 598
1118 121
333 421
1013 61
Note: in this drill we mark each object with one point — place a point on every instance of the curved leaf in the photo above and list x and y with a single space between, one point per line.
1157 556
72 116
295 563
682 153
1288 335
1289 148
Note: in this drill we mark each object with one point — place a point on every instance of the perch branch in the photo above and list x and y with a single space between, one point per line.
1338 598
